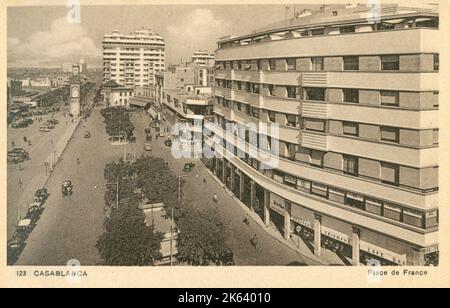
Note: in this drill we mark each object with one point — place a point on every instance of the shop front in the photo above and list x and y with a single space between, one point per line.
432 256
260 201
277 212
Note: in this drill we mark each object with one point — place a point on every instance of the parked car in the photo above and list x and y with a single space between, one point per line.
168 143
161 134
132 138
87 134
53 121
44 129
34 212
20 151
50 126
41 195
148 147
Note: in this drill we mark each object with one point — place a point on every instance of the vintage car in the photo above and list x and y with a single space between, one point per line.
148 147
34 212
168 143
188 167
87 134
41 195
53 121
67 188
24 227
20 151
131 138
44 129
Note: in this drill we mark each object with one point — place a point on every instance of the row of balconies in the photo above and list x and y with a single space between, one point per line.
385 80
418 158
411 119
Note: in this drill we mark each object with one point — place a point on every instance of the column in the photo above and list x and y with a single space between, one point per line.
287 220
252 195
242 187
317 235
266 208
418 257
356 246
233 168
224 171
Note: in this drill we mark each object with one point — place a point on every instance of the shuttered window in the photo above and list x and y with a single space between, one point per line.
389 173
350 128
390 134
389 98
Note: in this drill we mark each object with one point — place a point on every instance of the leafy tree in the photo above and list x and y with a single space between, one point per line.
127 240
202 238
117 121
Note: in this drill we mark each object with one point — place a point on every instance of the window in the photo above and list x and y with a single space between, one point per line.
317 158
272 116
436 62
392 211
355 200
319 189
435 136
351 63
351 165
317 64
255 88
351 95
390 134
314 125
350 129
347 29
291 120
239 85
238 106
291 64
291 92
272 64
270 89
248 87
413 217
389 98
314 94
390 63
427 22
239 65
389 173
255 113
374 206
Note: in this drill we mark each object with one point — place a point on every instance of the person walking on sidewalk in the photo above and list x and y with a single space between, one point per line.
247 220
215 199
254 241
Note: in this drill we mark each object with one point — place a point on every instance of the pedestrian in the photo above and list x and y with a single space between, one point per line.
254 241
204 178
215 199
247 220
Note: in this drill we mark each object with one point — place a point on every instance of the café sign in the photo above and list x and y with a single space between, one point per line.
383 253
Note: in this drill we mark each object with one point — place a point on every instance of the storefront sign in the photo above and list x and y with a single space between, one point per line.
432 249
338 236
383 253
302 222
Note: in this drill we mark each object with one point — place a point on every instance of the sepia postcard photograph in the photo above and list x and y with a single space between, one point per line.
202 139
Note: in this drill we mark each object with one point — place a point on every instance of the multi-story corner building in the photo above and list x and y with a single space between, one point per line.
131 60
203 58
355 95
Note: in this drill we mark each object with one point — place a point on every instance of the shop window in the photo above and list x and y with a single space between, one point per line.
392 211
390 98
272 116
314 94
291 92
390 63
436 62
426 22
389 173
389 134
319 189
351 95
351 129
355 200
317 64
291 64
347 29
351 165
351 63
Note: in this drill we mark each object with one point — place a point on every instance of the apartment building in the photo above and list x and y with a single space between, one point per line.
355 94
203 58
132 60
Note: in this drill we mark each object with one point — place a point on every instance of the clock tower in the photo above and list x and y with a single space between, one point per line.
74 92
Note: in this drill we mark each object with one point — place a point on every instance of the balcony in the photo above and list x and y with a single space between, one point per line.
313 140
224 74
249 75
224 92
283 105
288 78
225 112
311 109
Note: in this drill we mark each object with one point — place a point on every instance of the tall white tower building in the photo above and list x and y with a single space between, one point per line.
133 59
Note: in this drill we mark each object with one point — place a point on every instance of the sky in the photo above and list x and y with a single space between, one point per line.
43 37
